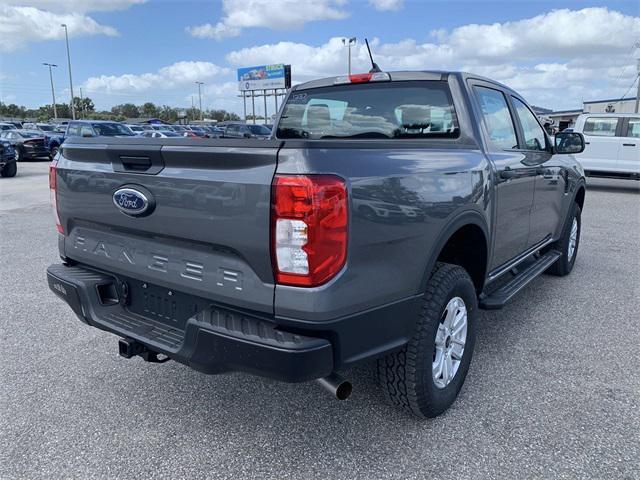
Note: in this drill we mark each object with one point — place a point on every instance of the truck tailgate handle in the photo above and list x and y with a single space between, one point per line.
133 158
135 163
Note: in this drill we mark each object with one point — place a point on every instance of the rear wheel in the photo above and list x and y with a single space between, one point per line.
425 376
54 152
568 243
18 154
9 170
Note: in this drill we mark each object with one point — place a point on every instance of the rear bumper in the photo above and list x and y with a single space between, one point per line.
37 152
214 340
218 338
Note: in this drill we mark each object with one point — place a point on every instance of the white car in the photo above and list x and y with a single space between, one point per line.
159 134
612 144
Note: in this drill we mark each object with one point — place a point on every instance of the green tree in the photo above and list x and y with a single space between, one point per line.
126 110
83 106
149 110
168 114
13 110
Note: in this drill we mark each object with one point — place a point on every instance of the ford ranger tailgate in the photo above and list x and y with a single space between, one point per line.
206 227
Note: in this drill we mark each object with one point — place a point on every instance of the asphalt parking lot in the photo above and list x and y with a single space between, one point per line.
553 391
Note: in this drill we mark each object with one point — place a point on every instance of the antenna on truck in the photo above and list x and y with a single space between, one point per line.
374 66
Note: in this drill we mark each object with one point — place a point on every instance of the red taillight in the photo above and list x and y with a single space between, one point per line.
53 193
360 77
309 223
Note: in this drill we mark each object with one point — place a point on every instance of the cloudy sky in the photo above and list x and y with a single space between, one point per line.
555 53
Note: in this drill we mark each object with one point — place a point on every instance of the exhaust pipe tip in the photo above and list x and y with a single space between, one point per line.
337 386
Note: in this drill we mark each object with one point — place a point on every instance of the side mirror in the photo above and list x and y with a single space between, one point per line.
87 135
247 135
569 142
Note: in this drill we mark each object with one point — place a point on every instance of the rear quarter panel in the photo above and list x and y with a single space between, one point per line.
402 199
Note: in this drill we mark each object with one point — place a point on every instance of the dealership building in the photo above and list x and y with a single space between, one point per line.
566 118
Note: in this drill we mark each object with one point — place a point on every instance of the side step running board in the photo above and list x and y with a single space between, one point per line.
498 298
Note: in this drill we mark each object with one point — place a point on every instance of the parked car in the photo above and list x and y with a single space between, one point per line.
198 131
253 255
85 128
160 134
612 144
136 129
178 128
213 132
7 126
190 134
28 144
8 165
43 127
243 130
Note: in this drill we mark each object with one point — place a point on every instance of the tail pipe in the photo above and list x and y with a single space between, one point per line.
336 385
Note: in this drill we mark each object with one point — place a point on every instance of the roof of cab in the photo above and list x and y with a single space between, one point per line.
404 75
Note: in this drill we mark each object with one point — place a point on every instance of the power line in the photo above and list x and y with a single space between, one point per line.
630 87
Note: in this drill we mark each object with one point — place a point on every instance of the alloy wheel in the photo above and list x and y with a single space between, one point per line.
450 341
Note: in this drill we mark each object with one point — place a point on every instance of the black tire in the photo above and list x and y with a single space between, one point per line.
18 154
9 170
406 375
54 152
565 263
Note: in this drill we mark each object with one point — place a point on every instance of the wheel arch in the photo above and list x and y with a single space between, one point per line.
464 242
579 196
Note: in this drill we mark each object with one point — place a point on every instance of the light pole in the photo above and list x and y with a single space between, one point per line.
200 98
53 93
66 35
349 43
638 89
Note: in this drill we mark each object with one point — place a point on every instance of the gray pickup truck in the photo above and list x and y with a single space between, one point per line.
383 212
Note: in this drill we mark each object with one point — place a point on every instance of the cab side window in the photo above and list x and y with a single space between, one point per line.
633 128
534 137
497 118
600 127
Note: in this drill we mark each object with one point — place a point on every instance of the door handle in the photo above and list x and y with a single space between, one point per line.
507 173
587 143
628 144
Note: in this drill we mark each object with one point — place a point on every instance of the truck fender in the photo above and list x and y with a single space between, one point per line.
468 217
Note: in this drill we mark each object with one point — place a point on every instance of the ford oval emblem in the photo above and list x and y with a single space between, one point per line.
132 201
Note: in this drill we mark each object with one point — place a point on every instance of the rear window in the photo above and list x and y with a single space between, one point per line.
402 110
111 129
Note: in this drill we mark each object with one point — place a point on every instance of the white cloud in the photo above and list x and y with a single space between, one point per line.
273 14
75 6
26 21
169 77
21 25
559 57
564 33
387 5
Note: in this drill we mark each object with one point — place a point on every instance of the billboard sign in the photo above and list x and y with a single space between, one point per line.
263 77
